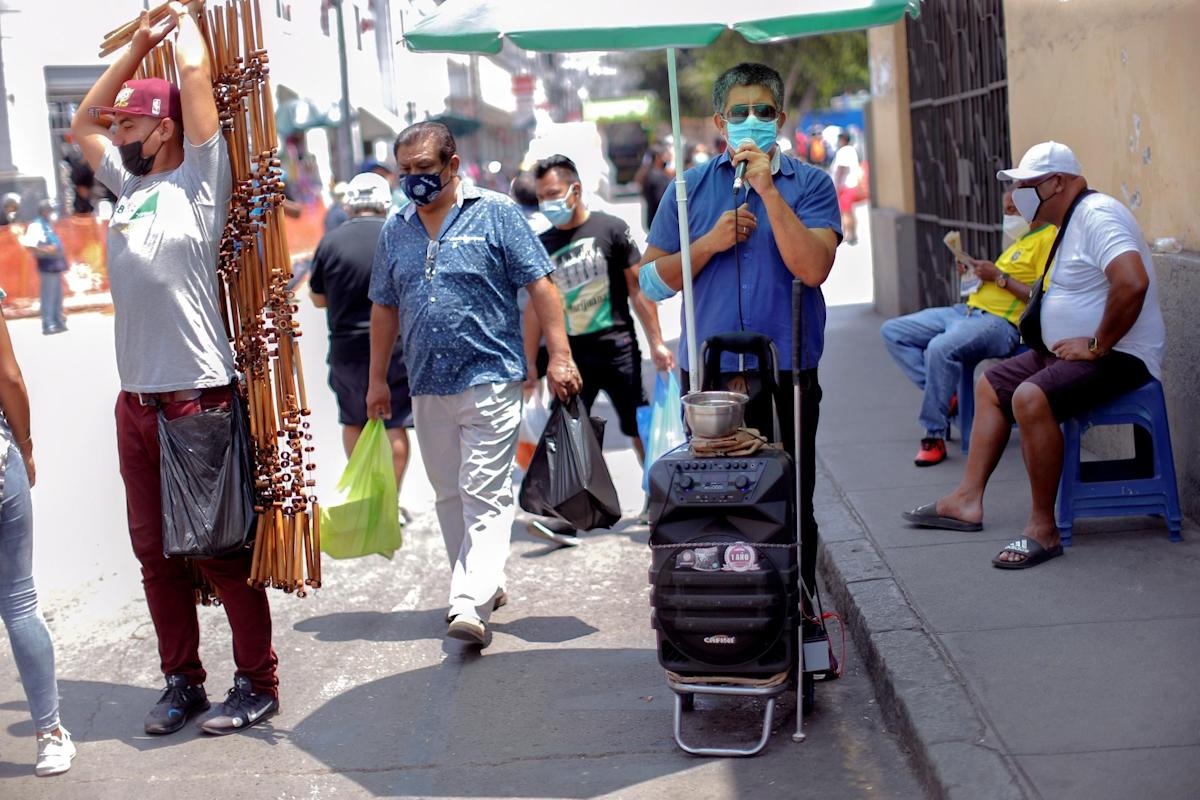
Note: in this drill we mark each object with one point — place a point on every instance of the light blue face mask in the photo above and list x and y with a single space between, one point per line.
557 211
762 133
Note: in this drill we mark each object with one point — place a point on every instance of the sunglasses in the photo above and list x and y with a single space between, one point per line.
762 111
431 254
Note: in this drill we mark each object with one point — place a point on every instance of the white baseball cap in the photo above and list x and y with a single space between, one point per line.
368 189
1043 159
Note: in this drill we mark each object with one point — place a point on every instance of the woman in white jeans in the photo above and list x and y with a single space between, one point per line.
33 651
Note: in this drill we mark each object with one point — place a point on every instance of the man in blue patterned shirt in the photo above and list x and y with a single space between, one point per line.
446 276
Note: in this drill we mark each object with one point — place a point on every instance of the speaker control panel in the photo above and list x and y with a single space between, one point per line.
716 480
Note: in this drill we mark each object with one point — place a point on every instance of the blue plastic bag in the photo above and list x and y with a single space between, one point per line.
666 422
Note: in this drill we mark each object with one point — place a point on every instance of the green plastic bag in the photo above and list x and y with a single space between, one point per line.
365 518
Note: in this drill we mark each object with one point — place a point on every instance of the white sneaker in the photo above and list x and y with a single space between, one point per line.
54 753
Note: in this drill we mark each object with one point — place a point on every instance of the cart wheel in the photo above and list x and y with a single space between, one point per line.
688 700
809 691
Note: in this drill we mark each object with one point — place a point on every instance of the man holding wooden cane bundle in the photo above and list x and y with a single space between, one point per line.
166 160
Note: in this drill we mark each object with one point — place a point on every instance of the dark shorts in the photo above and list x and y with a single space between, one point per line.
610 361
349 378
1072 387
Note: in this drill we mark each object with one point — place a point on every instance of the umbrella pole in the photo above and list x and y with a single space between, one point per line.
685 244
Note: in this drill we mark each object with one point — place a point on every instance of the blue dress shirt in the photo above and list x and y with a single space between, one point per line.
766 283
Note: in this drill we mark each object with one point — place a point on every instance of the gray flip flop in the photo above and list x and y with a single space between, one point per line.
543 531
1030 548
927 517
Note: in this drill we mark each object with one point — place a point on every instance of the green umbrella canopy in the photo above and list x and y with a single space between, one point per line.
480 26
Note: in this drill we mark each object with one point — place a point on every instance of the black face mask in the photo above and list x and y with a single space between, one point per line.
132 159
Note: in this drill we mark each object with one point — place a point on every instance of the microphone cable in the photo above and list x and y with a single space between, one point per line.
737 259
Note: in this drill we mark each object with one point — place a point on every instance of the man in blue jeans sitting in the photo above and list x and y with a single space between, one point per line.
931 345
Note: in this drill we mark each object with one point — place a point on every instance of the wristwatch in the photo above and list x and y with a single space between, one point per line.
1093 346
1002 281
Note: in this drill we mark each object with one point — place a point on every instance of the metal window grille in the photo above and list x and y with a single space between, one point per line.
958 102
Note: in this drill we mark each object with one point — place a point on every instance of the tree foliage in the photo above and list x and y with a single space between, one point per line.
814 69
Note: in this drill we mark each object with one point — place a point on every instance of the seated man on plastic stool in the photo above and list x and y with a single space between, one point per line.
930 346
786 226
1095 331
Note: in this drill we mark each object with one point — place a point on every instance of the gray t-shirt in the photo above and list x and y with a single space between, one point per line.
162 256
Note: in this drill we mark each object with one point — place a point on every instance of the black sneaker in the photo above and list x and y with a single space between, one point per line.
241 709
178 704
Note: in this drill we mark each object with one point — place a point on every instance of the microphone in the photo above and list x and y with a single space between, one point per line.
739 172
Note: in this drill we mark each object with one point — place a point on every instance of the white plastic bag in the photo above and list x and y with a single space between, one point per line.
533 421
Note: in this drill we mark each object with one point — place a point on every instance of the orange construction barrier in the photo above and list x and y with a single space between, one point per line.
83 238
306 230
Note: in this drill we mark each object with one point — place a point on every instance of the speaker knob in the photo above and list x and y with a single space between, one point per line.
685 482
741 482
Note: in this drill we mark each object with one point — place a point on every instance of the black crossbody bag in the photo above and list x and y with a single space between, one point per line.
1030 324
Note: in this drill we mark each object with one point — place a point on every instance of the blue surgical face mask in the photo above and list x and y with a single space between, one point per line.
423 187
762 133
557 211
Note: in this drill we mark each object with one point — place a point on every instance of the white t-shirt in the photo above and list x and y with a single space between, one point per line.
847 157
162 269
1100 230
36 234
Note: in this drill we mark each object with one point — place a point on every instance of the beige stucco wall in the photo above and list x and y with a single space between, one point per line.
1115 80
891 128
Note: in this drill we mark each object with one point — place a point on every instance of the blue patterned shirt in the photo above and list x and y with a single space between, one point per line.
457 294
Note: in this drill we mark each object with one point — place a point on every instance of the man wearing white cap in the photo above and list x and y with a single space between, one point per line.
1095 332
339 283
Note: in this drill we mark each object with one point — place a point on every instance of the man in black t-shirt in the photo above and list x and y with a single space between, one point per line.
592 254
340 279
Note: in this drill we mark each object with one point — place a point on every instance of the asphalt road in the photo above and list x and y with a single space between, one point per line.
569 701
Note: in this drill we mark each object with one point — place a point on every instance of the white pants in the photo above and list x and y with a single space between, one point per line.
468 441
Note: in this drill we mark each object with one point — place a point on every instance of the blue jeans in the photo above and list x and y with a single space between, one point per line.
27 632
931 345
52 301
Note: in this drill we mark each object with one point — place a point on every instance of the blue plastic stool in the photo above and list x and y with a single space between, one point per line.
1142 485
966 396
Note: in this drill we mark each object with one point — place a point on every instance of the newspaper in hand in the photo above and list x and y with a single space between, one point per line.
969 283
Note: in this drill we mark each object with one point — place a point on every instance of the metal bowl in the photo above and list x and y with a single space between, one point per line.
712 415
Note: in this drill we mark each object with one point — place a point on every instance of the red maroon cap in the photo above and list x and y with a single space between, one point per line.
148 97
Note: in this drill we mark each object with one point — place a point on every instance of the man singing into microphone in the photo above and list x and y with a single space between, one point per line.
786 226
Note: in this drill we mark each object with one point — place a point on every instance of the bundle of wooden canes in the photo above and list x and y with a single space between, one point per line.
254 267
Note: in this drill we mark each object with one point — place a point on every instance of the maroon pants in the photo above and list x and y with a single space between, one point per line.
168 581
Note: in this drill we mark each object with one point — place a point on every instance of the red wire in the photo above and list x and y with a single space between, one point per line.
842 630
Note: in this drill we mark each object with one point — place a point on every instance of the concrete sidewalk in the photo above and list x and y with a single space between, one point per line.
1069 680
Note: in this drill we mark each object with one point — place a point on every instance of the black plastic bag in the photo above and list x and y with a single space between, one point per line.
567 477
207 482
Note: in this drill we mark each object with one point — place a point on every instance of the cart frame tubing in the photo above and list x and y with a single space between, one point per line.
770 692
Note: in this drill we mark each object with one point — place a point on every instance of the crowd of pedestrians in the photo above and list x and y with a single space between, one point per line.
447 303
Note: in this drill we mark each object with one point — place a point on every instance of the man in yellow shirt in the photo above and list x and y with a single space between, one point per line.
931 346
